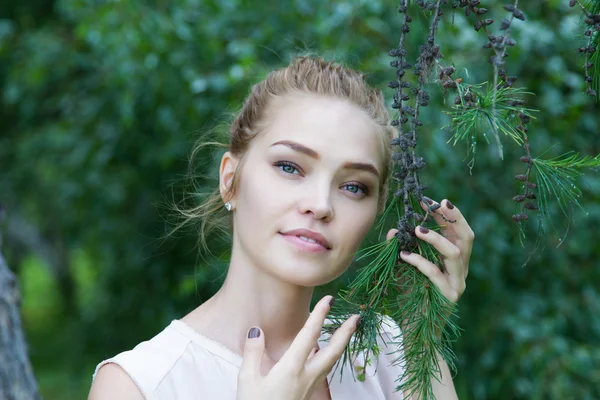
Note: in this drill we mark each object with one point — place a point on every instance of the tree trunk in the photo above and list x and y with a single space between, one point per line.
16 376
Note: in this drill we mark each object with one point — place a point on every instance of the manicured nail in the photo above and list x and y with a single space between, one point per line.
428 200
423 230
449 205
331 302
358 321
406 253
254 333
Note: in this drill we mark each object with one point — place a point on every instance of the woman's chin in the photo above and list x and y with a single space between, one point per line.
306 273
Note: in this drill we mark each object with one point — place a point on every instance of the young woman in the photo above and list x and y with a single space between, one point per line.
302 181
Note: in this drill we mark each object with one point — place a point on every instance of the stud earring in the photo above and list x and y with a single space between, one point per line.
228 206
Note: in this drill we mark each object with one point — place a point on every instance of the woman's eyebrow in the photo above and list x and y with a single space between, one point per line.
313 154
298 147
362 166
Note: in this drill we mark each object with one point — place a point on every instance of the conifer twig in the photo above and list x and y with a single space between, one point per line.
592 59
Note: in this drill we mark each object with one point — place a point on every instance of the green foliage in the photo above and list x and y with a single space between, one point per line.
557 178
482 110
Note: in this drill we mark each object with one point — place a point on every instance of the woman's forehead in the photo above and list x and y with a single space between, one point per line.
327 125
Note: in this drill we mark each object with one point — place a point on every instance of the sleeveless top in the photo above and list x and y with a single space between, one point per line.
180 363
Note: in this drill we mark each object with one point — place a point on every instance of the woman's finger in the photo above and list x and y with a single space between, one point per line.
459 232
267 363
453 258
435 275
391 234
253 354
446 248
322 362
429 269
298 352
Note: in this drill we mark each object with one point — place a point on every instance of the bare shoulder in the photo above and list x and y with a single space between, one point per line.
112 382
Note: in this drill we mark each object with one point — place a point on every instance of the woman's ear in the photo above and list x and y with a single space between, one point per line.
226 173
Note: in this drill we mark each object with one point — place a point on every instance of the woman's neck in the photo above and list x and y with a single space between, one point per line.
251 297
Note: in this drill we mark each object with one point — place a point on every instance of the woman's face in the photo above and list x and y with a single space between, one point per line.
315 168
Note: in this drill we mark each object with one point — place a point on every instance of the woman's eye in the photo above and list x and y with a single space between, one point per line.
287 167
356 188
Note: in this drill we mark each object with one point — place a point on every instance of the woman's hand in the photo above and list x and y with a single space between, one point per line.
301 369
454 244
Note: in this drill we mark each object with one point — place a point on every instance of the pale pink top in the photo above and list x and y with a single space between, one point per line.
180 363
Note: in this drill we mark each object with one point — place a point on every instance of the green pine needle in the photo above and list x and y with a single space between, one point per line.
424 314
471 118
391 206
557 177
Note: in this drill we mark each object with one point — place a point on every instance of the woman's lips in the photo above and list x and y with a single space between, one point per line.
304 245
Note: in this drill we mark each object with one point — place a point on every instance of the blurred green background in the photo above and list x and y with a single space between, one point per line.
102 100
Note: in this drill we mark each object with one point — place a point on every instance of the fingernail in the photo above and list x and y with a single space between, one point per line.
423 230
428 200
254 333
358 321
406 253
331 302
449 205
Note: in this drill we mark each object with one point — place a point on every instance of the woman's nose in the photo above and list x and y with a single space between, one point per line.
318 203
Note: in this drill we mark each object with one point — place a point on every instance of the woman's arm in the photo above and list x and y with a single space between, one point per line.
443 389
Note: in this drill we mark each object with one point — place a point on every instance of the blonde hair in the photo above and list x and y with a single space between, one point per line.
304 75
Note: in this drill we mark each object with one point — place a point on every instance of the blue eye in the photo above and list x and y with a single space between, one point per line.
287 167
354 188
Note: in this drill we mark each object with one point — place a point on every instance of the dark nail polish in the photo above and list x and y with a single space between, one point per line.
423 229
254 333
358 322
449 205
331 302
428 200
406 253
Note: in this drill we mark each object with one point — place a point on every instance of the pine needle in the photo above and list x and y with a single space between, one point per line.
557 178
475 115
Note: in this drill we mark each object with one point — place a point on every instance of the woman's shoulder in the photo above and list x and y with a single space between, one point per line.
138 371
112 382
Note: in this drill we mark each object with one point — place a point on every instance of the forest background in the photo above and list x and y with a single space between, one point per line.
101 102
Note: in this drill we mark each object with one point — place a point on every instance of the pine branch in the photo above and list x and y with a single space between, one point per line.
499 44
366 297
591 66
424 314
557 178
498 61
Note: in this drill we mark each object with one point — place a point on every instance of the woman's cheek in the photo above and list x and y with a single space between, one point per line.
355 225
